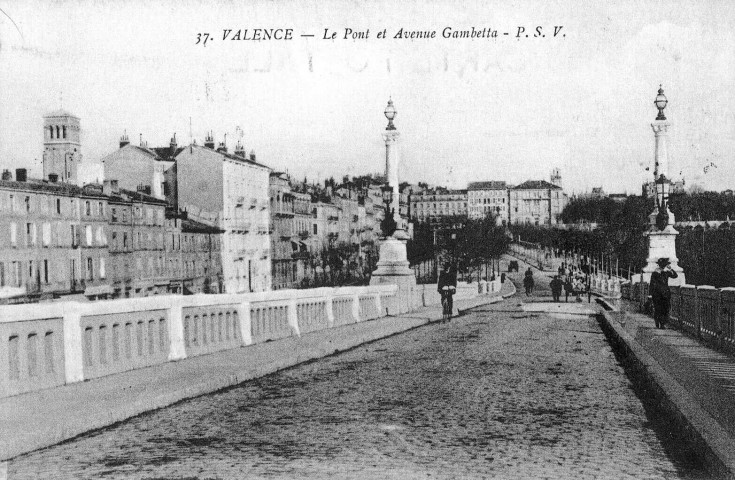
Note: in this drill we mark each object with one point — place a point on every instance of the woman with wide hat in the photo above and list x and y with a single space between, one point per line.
660 292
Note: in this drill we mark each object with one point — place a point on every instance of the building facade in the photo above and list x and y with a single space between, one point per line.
536 202
484 198
233 191
193 255
137 250
53 240
438 206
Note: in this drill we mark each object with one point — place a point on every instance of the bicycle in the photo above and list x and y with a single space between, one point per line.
447 293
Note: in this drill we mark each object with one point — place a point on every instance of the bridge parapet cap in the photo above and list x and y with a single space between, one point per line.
38 311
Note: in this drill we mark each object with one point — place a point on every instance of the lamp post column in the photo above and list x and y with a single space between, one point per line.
661 233
393 265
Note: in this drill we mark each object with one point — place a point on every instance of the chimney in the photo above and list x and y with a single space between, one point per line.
240 150
21 175
209 141
173 145
109 187
124 140
252 155
7 175
53 177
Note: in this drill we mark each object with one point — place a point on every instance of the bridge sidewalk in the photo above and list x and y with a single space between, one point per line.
43 418
694 383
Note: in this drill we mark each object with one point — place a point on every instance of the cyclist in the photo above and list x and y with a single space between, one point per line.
446 287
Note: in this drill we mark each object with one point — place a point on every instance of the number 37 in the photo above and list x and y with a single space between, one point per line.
202 38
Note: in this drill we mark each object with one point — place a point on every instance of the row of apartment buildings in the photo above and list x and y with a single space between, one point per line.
198 218
181 219
534 202
98 241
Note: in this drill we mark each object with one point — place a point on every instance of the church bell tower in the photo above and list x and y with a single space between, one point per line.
62 151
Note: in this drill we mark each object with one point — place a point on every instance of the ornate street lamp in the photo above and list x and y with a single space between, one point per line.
661 103
388 225
390 113
662 195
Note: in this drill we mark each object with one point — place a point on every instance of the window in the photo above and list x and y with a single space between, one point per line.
75 235
90 268
113 213
315 229
45 271
58 205
88 234
87 208
102 268
16 278
30 234
100 209
125 240
46 234
2 274
63 131
100 236
28 204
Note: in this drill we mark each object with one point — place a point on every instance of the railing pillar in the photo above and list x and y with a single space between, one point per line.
356 308
73 349
177 349
378 306
697 315
293 317
329 307
718 321
246 327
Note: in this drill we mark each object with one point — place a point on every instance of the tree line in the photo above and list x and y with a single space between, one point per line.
706 255
471 245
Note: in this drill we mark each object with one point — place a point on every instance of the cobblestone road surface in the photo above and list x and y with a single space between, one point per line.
495 394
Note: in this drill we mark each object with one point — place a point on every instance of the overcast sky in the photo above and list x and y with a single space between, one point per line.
503 109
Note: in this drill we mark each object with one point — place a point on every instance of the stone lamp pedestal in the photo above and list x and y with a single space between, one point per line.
393 269
662 243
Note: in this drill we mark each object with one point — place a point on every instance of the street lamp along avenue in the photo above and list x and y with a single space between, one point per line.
661 232
388 225
393 266
390 113
662 195
661 102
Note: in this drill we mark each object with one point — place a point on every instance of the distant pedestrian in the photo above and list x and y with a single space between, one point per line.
568 288
556 286
447 286
528 281
660 292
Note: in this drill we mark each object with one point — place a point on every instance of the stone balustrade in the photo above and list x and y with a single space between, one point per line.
48 345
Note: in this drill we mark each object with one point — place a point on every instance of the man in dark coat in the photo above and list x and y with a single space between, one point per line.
660 292
447 278
556 286
528 281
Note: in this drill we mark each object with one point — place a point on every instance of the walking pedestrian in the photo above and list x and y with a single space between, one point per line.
660 292
568 288
528 281
447 286
556 286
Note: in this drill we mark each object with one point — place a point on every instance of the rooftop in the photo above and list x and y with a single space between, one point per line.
536 185
490 185
58 188
60 113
